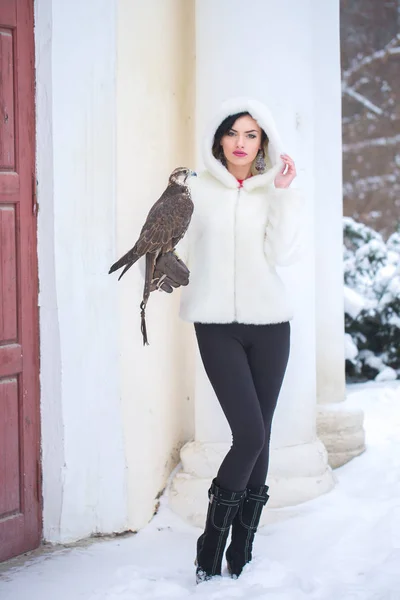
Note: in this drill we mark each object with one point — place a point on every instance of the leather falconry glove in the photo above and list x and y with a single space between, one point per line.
169 272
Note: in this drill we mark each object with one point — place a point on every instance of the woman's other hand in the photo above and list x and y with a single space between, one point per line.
284 179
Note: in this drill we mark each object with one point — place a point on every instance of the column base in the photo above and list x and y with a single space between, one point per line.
340 428
297 474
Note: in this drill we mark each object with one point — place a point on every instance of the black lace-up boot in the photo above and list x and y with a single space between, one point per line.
244 527
222 508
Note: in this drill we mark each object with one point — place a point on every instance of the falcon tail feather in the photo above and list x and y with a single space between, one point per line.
126 261
128 266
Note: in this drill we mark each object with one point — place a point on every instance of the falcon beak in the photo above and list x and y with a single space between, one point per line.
191 174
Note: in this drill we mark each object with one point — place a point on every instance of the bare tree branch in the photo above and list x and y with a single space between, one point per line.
390 48
362 99
382 141
351 119
373 182
360 82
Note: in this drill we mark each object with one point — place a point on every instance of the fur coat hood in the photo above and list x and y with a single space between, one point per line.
239 235
262 115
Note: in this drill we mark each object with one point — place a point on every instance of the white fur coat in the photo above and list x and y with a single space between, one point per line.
237 236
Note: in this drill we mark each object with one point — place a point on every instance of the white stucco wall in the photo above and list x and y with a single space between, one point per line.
117 85
155 95
83 459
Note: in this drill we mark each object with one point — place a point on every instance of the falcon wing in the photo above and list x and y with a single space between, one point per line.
167 220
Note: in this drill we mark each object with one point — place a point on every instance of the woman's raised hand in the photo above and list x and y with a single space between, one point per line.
284 179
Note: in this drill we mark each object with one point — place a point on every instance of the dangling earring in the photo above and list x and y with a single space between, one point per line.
221 157
260 162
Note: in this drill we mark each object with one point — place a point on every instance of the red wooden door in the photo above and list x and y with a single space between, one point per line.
20 503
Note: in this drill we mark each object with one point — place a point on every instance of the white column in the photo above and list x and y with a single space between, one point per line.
340 428
265 50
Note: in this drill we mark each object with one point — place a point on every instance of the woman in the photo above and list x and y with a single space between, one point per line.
245 224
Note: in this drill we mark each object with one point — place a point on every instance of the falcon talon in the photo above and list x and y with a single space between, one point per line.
161 281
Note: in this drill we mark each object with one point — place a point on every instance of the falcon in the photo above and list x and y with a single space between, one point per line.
165 226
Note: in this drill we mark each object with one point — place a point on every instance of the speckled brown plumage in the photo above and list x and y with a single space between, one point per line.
165 225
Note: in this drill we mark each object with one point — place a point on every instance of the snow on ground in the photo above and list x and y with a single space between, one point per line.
344 545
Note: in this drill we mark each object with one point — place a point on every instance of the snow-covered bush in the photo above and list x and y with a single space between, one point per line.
372 302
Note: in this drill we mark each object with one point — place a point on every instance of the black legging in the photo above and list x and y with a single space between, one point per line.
245 365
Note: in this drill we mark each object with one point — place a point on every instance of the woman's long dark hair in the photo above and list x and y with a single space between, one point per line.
226 126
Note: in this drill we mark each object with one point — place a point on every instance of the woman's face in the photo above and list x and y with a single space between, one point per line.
241 143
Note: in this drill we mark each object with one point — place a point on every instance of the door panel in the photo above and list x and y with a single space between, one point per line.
20 504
